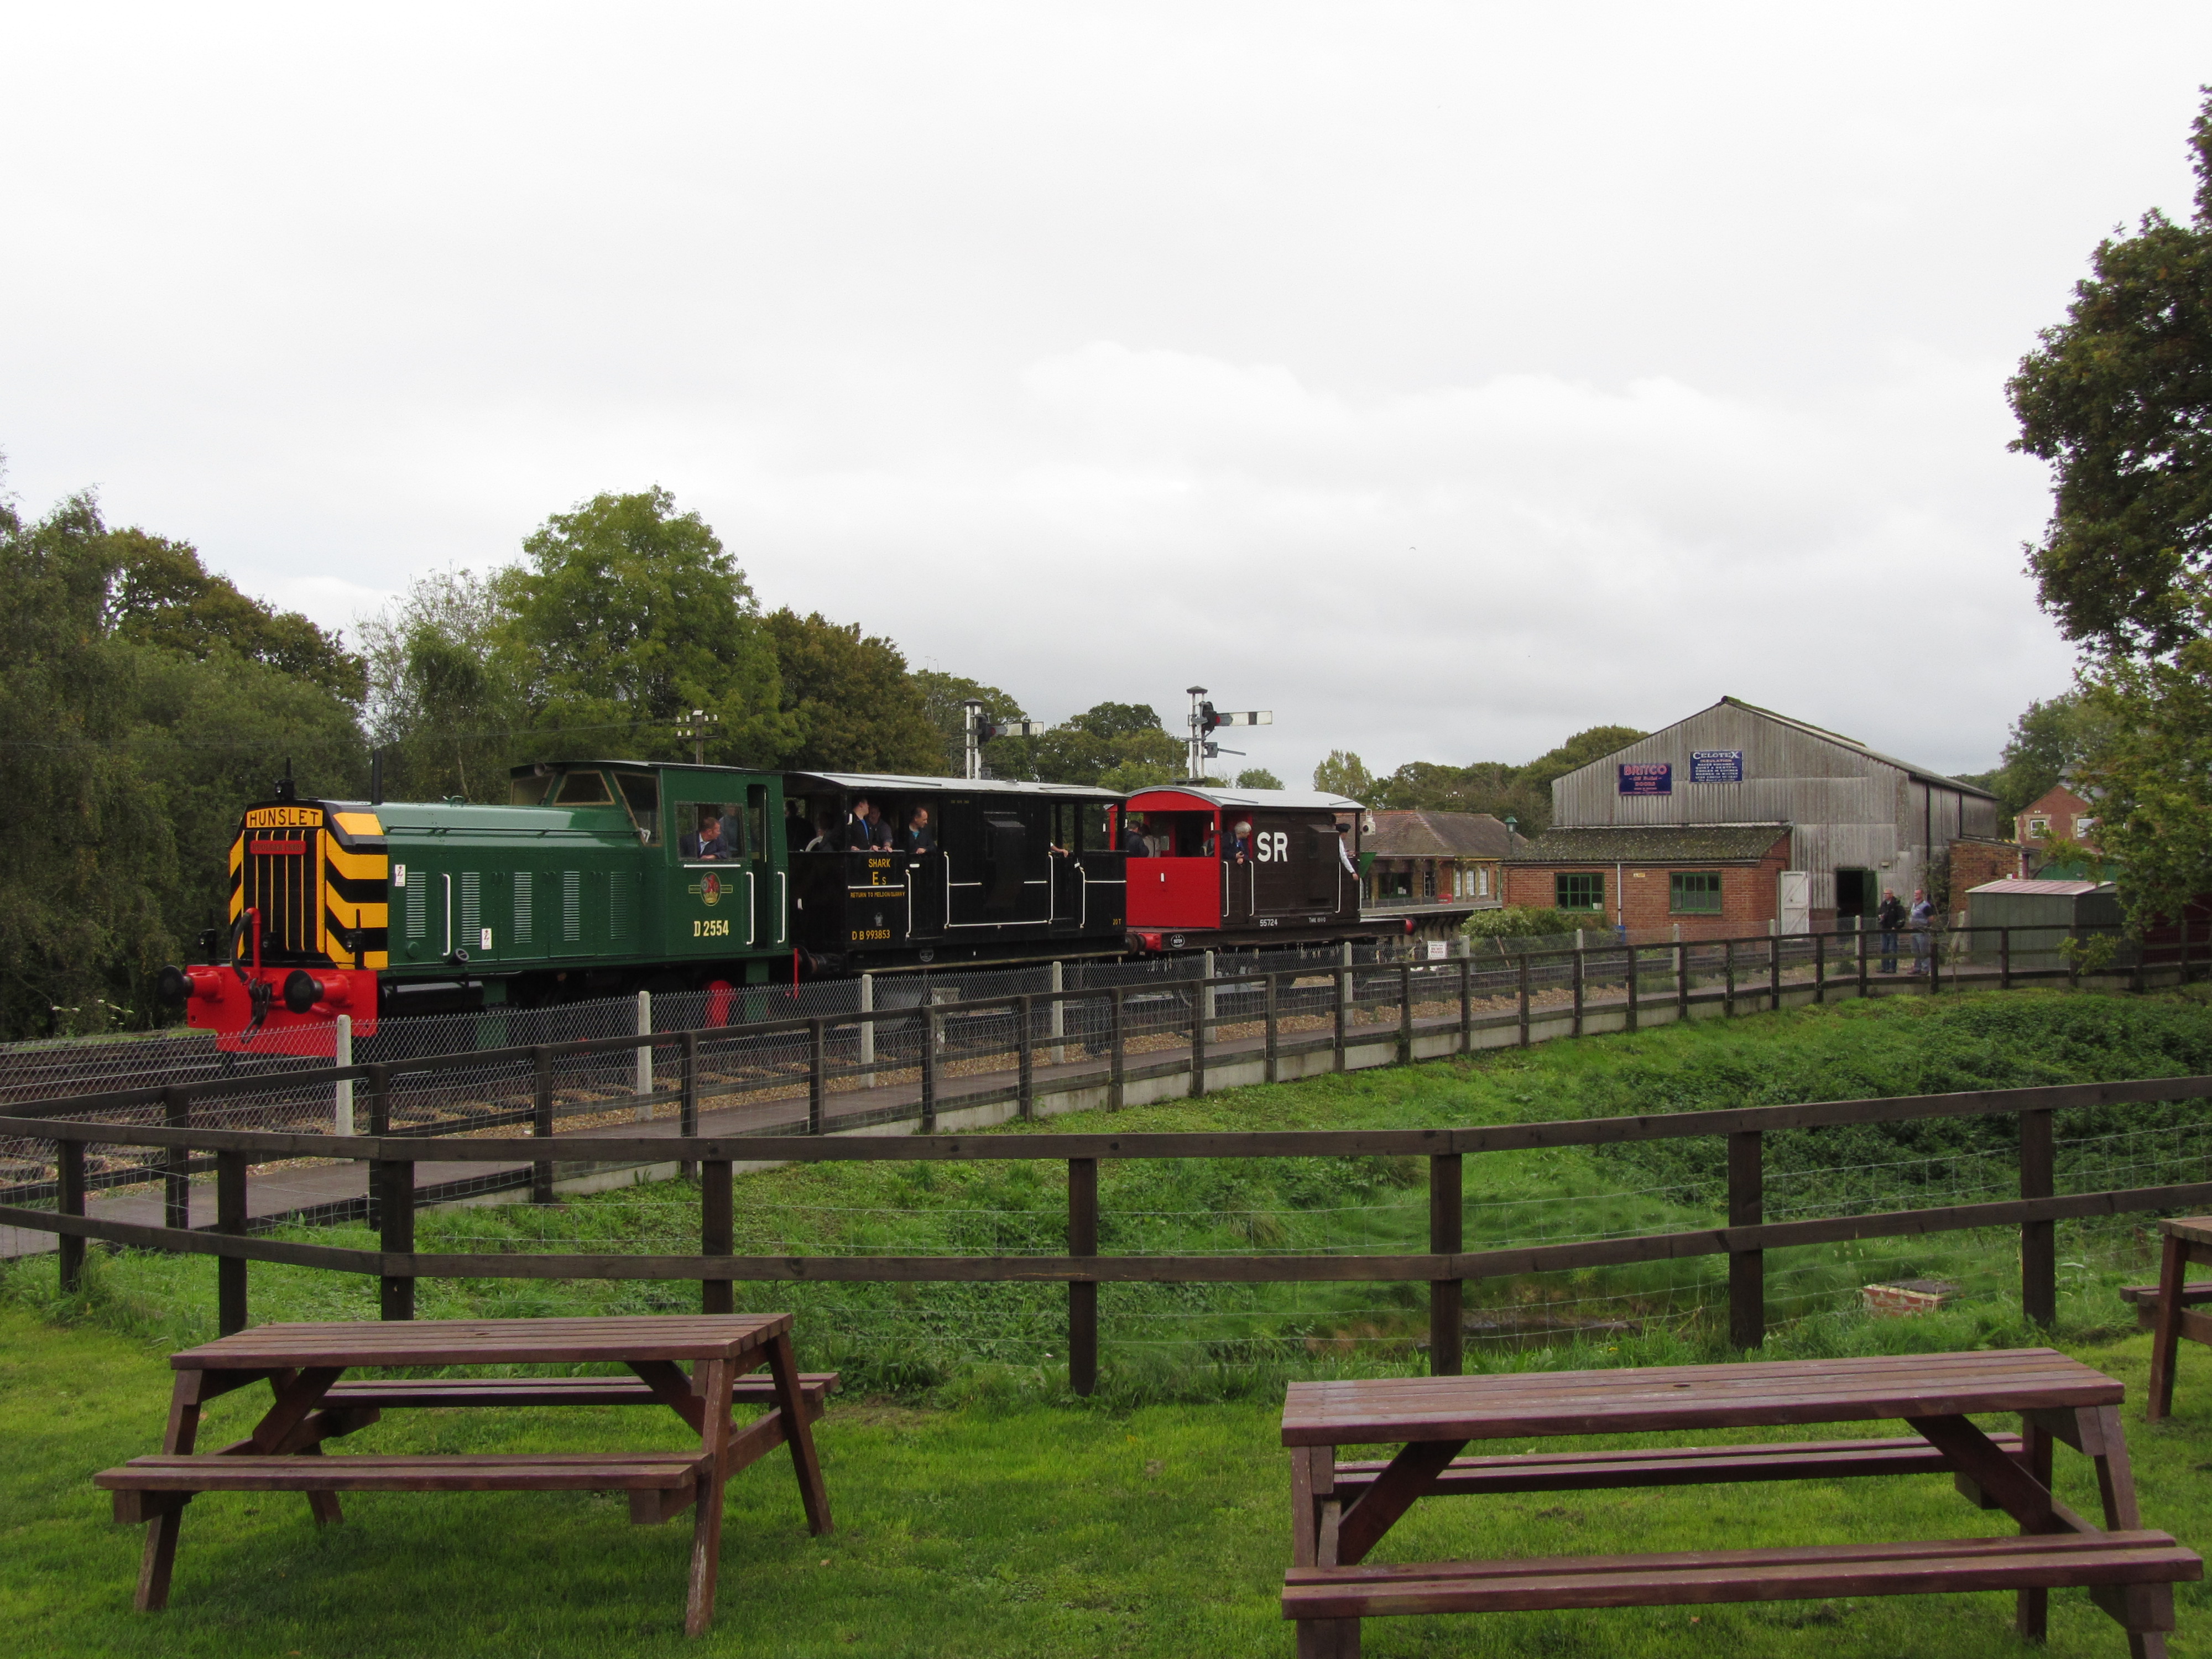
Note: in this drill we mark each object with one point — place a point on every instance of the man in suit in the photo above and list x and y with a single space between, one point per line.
708 843
859 826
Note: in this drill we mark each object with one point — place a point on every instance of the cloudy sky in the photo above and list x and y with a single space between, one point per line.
1446 378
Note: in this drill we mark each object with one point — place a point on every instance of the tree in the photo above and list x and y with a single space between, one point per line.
1115 745
1345 774
2052 741
2152 776
2118 399
72 912
445 702
944 701
627 615
161 595
851 700
1258 777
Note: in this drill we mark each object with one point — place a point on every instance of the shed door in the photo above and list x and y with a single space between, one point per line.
1796 905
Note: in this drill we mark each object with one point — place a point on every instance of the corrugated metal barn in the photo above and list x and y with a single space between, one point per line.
1859 820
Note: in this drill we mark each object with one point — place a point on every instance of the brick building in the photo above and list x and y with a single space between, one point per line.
2058 814
1416 858
1710 880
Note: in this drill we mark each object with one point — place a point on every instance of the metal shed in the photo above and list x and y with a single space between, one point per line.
2040 913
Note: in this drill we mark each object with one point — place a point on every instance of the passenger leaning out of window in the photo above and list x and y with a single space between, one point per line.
707 843
1239 850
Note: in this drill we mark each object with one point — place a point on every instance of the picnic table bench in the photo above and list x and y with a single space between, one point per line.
303 1365
1341 1510
2188 1239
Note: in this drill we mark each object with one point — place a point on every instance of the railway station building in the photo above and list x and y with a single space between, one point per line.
1412 858
1738 818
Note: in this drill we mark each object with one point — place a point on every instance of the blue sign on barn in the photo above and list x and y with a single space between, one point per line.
1717 766
1647 777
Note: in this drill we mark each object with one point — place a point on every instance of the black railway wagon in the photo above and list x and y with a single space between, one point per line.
1005 871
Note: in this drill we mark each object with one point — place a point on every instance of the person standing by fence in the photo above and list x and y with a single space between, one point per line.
1923 922
1890 917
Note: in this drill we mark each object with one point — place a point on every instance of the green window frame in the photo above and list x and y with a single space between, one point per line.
1578 890
1693 893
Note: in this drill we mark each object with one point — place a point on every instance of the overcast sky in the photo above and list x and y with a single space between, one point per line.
1446 378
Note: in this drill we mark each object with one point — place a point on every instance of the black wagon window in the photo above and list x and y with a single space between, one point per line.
1694 892
1579 889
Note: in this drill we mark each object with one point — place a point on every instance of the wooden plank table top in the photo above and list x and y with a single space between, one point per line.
1409 1409
2197 1229
489 1341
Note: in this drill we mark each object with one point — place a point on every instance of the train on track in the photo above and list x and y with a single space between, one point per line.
600 877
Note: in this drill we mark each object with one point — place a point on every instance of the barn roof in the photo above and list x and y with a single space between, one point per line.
1405 833
1653 843
1925 775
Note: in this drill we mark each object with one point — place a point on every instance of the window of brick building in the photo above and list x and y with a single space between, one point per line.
1694 892
2039 827
1580 890
1428 881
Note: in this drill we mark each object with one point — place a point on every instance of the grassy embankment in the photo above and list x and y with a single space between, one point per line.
1151 1519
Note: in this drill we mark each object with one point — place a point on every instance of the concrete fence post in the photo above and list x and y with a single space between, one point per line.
1059 1014
643 1088
342 1091
868 1032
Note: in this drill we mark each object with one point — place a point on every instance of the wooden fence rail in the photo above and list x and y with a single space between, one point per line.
1446 1267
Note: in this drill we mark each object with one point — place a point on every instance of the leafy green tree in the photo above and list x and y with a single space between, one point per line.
1258 777
627 614
72 911
855 706
2052 740
2118 399
446 703
2152 777
944 700
1345 774
1116 745
161 595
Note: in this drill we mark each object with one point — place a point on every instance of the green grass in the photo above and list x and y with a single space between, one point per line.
983 1511
1030 1529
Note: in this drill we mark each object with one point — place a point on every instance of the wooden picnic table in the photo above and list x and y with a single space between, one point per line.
1341 1510
2188 1240
303 1365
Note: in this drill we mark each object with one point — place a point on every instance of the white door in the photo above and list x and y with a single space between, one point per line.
1796 901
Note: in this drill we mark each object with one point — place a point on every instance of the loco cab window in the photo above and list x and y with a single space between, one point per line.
710 830
582 789
641 793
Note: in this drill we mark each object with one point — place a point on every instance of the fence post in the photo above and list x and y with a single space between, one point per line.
1205 973
1728 996
718 1231
1681 978
342 1091
1082 1293
230 1219
1774 971
2038 1240
69 1199
1025 1056
1578 982
687 1103
1444 1294
1273 1070
176 1161
2004 959
870 1080
1820 969
1117 1046
644 1085
1405 1013
818 1069
1635 957
1342 1010
1466 1007
1525 996
1860 932
929 1063
1746 1268
396 1292
1059 1017
541 1121
1201 1019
